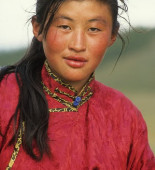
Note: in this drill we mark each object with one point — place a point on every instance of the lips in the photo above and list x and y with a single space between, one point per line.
75 61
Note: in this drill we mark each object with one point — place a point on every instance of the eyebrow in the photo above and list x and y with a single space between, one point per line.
98 19
95 19
63 17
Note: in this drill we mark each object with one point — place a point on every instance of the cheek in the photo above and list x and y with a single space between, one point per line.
99 46
54 41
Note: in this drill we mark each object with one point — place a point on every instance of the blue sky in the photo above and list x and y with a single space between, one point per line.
14 32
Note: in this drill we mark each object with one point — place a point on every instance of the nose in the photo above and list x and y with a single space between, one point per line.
78 41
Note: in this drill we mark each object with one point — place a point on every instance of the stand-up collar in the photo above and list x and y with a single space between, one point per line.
63 92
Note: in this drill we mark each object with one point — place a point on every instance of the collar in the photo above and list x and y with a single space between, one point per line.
63 92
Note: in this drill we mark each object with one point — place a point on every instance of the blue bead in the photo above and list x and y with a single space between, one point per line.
75 103
78 99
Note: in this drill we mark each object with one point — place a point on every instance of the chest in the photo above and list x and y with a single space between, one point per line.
78 140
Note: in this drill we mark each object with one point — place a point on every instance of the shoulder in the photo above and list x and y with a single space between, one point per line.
8 78
115 107
116 102
108 93
9 87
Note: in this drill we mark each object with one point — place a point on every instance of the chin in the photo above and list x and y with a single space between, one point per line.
74 79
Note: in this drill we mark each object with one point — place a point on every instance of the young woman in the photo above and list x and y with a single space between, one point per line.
53 113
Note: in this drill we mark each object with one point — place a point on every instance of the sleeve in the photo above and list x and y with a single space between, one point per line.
140 156
9 93
2 89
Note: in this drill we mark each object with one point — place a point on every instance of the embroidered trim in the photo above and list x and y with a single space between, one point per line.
66 94
67 109
85 99
64 102
55 96
87 89
16 148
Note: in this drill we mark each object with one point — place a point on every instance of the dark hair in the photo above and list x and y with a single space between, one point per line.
32 104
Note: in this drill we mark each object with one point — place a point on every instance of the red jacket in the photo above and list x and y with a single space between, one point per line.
105 132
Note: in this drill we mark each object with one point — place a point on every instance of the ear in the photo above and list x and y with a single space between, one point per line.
112 40
36 28
114 34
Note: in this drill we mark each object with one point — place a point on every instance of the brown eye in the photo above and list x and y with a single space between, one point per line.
93 29
64 27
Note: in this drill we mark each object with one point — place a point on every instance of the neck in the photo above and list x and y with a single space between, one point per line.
78 85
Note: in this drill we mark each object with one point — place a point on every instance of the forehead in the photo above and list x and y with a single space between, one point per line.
84 9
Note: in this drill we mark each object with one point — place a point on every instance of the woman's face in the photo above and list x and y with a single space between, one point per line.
77 39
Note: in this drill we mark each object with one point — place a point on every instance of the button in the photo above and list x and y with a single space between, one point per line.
76 101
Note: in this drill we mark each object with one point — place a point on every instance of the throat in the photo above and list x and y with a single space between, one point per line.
78 86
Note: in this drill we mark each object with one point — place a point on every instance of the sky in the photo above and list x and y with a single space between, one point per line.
15 32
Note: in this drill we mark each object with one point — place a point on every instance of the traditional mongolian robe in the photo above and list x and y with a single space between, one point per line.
97 129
